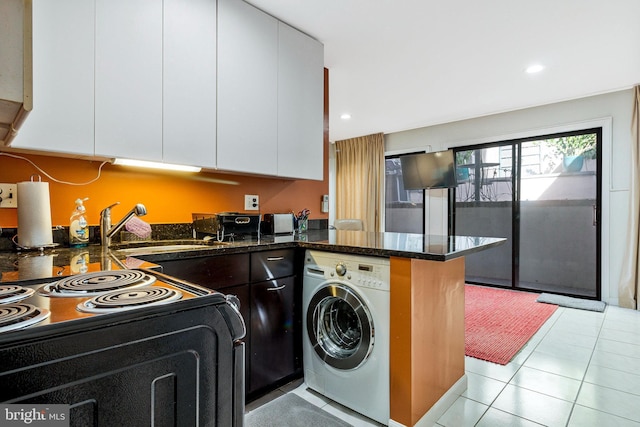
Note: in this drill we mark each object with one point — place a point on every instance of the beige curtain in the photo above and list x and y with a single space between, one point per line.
629 288
360 179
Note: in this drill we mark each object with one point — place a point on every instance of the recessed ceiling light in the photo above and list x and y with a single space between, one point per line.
345 116
536 68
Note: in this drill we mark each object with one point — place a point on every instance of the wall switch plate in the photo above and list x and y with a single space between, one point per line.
251 202
8 196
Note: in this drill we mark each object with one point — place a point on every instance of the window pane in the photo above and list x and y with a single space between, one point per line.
483 208
404 209
484 175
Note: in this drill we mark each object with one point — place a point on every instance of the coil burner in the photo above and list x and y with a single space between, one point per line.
18 316
127 299
13 293
97 283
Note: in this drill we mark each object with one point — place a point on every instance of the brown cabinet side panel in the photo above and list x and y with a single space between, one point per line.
438 333
427 329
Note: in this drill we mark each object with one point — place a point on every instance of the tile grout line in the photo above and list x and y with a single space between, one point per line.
573 405
562 312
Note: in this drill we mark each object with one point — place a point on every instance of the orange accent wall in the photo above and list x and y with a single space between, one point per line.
169 197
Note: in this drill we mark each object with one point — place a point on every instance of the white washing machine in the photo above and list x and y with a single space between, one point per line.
345 303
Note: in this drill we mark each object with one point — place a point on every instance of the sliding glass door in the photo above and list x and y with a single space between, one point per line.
543 195
558 217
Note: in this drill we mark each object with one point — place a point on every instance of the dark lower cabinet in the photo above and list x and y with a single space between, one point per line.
270 299
213 272
272 332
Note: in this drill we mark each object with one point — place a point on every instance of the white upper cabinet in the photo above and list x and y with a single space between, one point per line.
62 119
217 84
300 105
189 83
128 79
270 95
247 88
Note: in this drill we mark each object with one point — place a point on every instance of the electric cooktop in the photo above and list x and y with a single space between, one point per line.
85 295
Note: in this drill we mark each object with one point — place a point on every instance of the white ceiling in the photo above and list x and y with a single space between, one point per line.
401 64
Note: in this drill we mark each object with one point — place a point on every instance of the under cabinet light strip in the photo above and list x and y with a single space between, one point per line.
155 165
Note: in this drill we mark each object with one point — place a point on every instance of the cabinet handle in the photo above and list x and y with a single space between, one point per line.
275 258
277 288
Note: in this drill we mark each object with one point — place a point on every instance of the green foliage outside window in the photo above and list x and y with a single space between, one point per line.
576 145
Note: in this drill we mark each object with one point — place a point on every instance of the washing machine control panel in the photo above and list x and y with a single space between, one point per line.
366 273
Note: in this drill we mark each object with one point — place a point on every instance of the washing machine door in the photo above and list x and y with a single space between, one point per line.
340 327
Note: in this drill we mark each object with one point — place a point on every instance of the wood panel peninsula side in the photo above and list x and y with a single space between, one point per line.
427 337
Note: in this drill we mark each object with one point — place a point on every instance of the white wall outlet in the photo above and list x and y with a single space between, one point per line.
324 203
251 202
8 196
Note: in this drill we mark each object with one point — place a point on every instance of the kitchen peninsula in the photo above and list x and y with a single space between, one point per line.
427 296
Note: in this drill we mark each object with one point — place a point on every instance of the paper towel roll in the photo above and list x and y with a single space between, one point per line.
34 214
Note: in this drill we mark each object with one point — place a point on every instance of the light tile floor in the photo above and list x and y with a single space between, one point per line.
581 369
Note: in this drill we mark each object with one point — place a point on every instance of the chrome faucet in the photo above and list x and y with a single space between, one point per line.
106 231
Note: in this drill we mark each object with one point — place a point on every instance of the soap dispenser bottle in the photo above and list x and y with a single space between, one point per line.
78 230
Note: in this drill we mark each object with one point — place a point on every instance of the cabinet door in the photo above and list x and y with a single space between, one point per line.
63 69
213 272
300 105
189 83
129 79
272 332
247 88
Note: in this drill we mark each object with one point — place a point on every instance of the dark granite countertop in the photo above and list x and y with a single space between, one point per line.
60 261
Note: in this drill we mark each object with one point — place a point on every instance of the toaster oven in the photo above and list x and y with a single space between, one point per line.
277 224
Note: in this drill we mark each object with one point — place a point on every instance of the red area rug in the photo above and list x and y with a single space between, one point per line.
499 322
